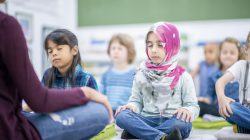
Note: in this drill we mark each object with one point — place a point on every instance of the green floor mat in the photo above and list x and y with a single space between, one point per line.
201 124
107 133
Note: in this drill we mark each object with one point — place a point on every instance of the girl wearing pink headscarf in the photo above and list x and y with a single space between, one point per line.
163 102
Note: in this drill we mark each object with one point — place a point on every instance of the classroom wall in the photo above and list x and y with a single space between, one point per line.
117 12
41 17
199 21
95 30
194 34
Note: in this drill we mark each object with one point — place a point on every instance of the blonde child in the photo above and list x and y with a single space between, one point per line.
205 69
230 51
163 102
116 82
66 72
234 112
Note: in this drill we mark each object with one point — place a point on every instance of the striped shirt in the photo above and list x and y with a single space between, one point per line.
117 85
82 78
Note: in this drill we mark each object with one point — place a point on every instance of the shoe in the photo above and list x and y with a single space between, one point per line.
107 133
126 135
175 135
239 129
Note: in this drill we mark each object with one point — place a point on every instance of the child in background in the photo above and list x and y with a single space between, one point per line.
163 102
234 112
116 82
230 51
81 117
66 72
205 69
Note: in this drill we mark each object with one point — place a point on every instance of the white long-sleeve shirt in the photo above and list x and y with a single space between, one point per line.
184 95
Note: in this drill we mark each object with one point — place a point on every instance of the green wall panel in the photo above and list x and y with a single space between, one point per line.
111 12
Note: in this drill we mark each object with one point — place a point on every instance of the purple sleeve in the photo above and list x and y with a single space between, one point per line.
26 83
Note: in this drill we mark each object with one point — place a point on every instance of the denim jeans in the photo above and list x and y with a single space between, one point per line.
150 128
76 123
240 116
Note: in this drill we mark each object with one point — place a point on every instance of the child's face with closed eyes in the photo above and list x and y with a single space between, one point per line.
155 49
61 56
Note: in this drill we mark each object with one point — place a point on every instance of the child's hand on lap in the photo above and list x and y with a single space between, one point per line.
183 114
127 106
224 106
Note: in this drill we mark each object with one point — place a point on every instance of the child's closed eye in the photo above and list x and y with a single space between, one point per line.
49 51
149 44
160 45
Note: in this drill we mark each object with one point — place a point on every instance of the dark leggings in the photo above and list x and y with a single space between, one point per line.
208 109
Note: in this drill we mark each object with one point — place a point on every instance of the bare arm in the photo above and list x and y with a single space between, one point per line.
224 101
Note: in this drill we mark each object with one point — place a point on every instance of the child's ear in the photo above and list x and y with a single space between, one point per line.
75 50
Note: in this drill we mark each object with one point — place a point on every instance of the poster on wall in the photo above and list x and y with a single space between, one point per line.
26 22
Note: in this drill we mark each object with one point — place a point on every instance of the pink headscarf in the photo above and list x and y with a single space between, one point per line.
169 36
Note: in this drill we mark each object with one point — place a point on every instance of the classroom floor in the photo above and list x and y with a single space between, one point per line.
196 134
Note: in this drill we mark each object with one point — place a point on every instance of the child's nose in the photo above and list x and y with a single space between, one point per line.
117 51
54 53
154 49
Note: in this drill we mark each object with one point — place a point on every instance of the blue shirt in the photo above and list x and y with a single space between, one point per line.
117 85
205 71
82 78
231 89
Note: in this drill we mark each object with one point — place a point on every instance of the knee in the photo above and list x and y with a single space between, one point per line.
181 124
122 117
235 107
102 114
185 128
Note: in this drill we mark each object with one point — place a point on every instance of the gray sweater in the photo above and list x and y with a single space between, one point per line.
184 95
